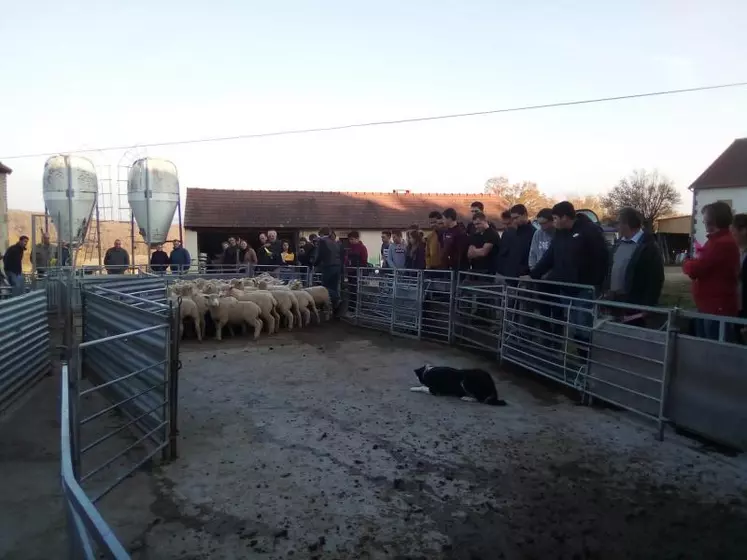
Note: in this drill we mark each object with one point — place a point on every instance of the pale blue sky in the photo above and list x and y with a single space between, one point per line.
84 74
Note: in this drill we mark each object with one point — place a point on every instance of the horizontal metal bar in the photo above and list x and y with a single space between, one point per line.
119 379
120 403
106 436
84 345
123 452
137 465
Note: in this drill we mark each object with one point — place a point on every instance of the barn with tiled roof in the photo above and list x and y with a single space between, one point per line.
211 215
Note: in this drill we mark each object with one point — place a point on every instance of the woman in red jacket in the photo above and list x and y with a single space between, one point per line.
715 272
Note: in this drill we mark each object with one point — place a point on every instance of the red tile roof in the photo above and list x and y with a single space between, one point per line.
218 208
729 169
5 169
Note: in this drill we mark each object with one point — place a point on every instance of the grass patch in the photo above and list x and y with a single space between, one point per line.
677 292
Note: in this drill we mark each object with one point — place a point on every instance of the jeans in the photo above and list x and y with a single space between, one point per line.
708 328
16 282
331 276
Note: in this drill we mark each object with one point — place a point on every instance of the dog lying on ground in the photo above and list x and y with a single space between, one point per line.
474 385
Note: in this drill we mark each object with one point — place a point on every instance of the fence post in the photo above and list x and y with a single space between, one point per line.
670 347
454 280
74 388
419 307
173 383
358 297
503 325
393 301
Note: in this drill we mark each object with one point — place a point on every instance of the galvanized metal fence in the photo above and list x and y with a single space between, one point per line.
89 536
24 346
630 356
126 352
126 356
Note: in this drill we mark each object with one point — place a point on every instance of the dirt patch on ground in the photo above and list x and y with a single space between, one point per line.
309 445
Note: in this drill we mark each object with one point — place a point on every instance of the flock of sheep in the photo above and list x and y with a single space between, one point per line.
254 304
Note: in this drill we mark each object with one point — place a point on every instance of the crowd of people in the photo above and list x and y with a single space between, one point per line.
565 247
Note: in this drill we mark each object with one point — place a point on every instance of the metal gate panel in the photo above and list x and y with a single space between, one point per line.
627 366
708 390
24 345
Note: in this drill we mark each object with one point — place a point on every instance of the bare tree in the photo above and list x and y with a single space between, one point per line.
653 195
525 192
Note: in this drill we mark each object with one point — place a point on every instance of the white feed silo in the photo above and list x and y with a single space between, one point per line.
70 188
153 194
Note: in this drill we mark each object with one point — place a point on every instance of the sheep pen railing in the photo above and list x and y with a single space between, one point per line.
122 394
554 330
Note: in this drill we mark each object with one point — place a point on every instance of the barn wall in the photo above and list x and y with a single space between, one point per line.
190 243
736 196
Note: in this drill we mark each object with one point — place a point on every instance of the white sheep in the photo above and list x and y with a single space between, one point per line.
287 305
267 303
306 306
190 291
188 309
230 312
320 294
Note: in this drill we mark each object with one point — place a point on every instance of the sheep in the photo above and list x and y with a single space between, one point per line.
191 292
320 294
306 305
287 305
267 303
228 311
188 308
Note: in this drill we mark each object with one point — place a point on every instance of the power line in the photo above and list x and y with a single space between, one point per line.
388 122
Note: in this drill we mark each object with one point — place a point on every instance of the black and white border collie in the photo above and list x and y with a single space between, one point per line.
474 385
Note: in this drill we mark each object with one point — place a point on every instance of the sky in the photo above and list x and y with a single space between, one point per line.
85 75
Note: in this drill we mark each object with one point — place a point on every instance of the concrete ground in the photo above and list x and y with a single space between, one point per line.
309 445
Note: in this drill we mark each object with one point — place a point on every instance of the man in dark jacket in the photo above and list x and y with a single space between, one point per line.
513 257
231 259
578 254
116 259
159 260
330 265
42 255
180 258
637 274
275 246
386 239
455 242
475 208
13 264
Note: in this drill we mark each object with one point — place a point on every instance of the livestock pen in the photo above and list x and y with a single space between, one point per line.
308 444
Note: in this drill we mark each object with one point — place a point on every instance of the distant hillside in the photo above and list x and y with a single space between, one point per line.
19 223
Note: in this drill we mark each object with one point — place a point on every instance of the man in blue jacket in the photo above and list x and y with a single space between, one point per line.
180 258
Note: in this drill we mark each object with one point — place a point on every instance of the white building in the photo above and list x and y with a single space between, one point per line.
724 180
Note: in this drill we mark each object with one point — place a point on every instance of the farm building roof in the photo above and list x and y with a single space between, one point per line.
219 208
729 169
5 169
